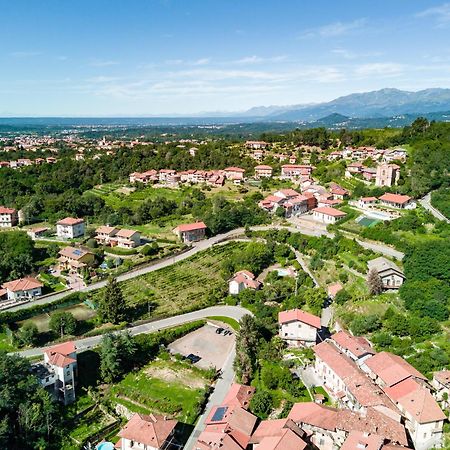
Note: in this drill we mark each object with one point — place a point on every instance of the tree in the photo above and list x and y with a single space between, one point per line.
112 307
374 282
28 333
261 404
116 351
63 322
110 359
246 344
27 413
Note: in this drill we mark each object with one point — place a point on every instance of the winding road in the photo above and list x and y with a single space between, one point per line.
233 312
426 203
204 245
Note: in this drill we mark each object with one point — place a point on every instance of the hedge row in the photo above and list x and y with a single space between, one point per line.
23 314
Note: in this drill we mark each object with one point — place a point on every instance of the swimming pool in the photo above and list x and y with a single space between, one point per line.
105 446
283 272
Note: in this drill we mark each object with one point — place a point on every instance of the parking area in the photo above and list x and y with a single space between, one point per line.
206 343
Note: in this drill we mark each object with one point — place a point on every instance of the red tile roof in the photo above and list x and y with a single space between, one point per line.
70 221
288 440
124 233
395 198
300 316
191 227
358 346
330 211
357 440
263 167
239 395
416 400
365 391
149 430
59 355
392 368
4 210
22 284
234 169
313 414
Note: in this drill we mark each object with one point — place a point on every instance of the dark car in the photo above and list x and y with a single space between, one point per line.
193 358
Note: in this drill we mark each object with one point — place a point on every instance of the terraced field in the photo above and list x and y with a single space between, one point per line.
183 286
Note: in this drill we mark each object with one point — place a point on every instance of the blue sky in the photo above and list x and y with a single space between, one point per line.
144 57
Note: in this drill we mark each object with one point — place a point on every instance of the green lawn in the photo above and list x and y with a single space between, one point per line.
90 424
163 387
228 320
5 343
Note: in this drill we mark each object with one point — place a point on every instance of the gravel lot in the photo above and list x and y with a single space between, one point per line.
212 348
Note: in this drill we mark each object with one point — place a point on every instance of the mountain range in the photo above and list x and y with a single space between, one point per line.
375 104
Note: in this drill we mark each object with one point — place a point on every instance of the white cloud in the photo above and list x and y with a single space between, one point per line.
440 13
349 54
102 63
334 29
379 69
259 60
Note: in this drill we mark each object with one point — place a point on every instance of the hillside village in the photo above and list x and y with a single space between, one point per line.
132 295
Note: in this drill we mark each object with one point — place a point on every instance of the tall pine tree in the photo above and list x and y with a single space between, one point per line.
112 307
374 282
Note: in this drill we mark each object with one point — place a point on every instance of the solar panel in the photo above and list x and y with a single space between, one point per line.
77 252
219 413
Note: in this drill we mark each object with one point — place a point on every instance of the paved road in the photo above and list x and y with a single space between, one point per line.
203 245
234 312
221 389
426 203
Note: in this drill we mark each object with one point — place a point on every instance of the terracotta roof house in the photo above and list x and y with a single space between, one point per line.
338 192
75 258
23 289
388 369
298 328
424 417
58 372
70 228
37 232
295 171
234 173
152 432
263 171
191 232
239 395
358 440
342 377
327 214
242 280
278 434
9 217
441 383
391 275
367 201
126 238
357 348
396 200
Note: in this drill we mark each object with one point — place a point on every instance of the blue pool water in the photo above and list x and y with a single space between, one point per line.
105 446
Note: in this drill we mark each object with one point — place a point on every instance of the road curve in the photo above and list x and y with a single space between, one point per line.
233 312
426 203
204 245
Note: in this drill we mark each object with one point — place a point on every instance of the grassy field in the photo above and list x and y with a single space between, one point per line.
163 387
182 286
80 312
227 320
